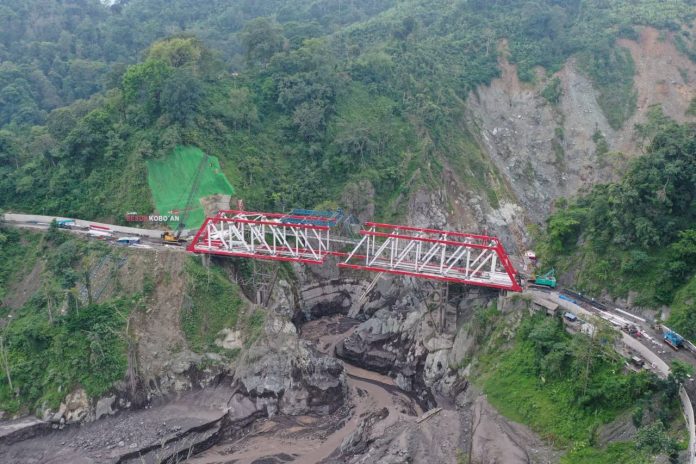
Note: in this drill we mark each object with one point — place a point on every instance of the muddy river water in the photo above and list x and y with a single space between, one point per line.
311 439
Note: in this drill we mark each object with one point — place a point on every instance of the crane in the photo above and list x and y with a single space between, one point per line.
168 237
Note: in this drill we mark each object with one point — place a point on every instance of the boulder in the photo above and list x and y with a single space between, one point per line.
104 407
229 339
436 366
76 406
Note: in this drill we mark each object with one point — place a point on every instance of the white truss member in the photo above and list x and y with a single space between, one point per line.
428 253
262 235
434 254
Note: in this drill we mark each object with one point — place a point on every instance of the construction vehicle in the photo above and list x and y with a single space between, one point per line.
169 238
673 339
547 280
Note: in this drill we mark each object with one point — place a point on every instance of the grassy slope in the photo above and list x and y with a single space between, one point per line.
215 304
506 370
85 345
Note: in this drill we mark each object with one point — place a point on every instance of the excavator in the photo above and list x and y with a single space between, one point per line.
170 238
547 279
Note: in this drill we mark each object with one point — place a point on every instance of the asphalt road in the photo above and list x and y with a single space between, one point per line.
150 238
661 367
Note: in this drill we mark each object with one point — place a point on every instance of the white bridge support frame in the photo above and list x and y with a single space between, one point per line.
262 236
434 254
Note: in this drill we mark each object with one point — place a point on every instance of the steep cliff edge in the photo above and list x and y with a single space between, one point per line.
550 149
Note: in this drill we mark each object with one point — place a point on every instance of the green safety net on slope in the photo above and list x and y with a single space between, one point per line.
171 179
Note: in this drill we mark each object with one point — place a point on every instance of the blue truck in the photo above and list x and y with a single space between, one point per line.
673 339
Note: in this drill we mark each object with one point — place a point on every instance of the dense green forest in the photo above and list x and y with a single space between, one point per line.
304 103
639 234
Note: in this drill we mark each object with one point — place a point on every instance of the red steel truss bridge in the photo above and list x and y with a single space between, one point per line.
309 237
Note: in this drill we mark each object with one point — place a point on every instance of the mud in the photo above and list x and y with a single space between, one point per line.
312 439
118 439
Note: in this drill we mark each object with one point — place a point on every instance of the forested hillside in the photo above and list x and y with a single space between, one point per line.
302 101
638 235
564 126
56 52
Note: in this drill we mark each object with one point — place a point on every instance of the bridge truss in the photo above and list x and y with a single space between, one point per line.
433 254
271 236
427 253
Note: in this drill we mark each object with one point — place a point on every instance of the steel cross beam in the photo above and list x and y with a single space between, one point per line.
262 235
433 254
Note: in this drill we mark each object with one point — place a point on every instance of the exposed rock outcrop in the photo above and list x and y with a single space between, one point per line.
406 340
546 151
279 374
283 374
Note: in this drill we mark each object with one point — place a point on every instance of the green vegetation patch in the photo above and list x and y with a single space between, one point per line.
614 453
553 91
47 360
214 305
567 386
60 339
56 341
563 386
172 178
612 71
17 255
638 234
691 110
683 316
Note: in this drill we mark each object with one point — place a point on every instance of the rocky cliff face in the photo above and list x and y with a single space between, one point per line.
278 374
404 334
192 401
413 342
546 151
282 374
